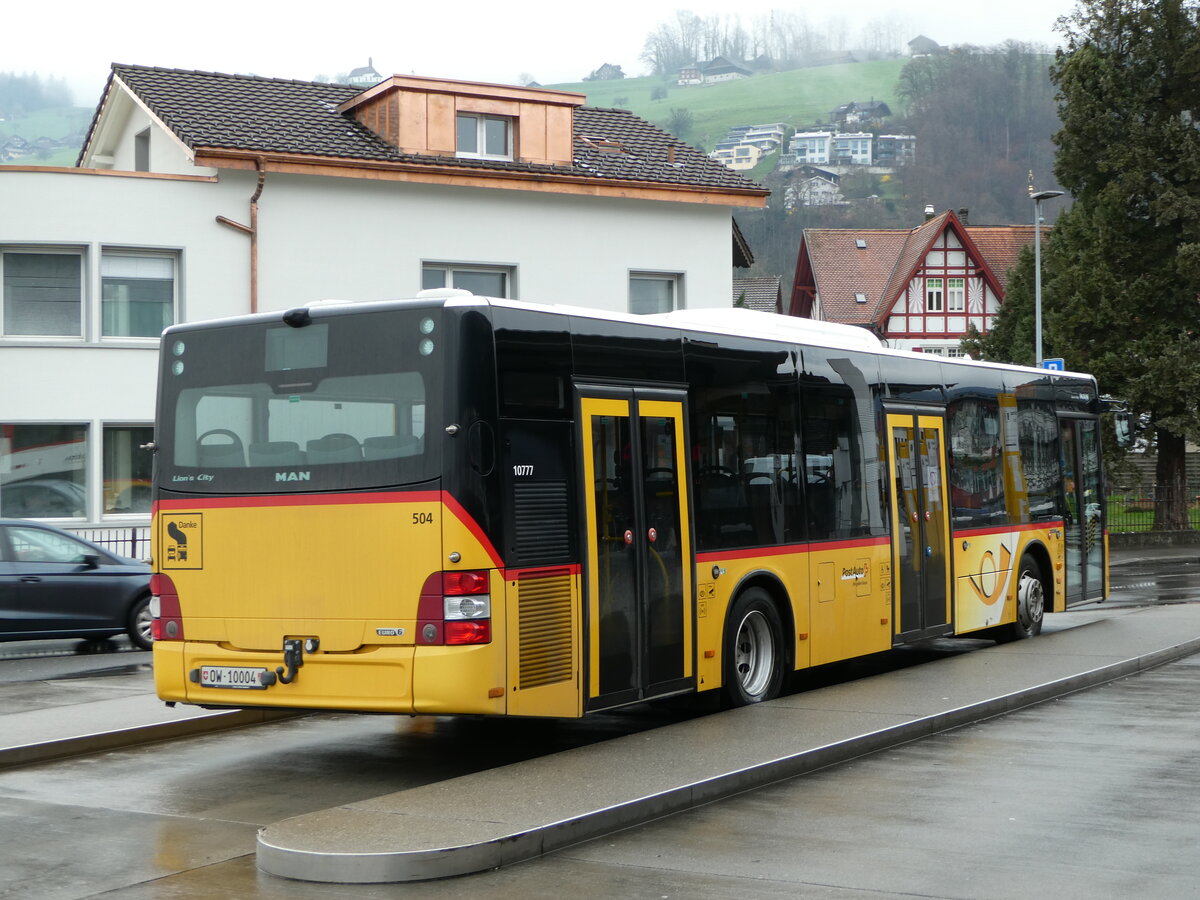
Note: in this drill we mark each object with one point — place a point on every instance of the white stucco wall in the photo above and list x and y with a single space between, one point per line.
319 237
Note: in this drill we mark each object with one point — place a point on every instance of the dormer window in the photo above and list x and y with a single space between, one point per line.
484 137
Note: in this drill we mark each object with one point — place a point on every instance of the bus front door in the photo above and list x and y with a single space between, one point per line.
638 561
1084 515
920 527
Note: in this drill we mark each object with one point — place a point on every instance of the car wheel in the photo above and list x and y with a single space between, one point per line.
141 623
754 654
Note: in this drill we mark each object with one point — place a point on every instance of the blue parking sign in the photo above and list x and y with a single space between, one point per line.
1056 363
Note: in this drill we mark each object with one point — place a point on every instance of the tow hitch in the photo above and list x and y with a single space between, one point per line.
293 659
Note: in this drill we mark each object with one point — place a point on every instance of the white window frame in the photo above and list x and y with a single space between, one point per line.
138 253
449 269
935 288
481 120
956 295
673 279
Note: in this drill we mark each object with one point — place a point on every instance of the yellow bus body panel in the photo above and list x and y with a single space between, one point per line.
986 567
346 569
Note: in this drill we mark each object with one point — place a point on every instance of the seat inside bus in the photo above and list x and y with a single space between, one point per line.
276 453
391 446
334 448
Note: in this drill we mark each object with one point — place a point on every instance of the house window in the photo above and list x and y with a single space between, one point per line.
137 294
141 151
956 294
42 293
487 281
484 137
650 294
933 295
43 471
126 469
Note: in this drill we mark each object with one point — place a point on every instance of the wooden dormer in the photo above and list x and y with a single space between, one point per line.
419 115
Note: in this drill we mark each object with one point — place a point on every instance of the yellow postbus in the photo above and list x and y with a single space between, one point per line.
463 505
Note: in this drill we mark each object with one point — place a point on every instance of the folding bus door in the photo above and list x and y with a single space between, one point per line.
638 560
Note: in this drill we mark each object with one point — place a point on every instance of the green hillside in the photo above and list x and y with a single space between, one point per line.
797 98
65 123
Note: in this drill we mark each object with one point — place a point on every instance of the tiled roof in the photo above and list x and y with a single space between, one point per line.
882 268
211 110
1001 246
761 293
842 269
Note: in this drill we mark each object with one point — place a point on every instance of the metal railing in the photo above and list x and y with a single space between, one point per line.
132 540
1150 509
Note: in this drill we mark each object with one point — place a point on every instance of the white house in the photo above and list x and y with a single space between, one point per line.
199 195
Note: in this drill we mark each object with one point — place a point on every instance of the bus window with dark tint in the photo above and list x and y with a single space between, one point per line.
840 468
338 404
1038 430
533 361
743 414
976 463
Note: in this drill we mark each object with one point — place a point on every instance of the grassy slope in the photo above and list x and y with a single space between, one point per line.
798 98
61 122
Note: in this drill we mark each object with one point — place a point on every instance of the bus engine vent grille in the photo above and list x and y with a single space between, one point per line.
544 603
542 522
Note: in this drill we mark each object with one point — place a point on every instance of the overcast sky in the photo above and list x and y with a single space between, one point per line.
553 42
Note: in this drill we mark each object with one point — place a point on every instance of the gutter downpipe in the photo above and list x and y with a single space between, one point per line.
252 230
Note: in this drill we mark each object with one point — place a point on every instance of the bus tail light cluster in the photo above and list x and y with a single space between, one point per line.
455 608
164 607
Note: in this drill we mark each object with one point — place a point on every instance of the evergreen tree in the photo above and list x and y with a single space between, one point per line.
1121 268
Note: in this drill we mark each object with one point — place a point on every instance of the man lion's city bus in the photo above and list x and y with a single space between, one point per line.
462 505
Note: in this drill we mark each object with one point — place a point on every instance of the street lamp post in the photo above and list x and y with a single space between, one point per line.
1037 198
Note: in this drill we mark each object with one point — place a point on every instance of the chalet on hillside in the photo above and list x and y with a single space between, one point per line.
918 289
924 46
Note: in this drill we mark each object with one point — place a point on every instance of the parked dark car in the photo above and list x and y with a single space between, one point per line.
54 584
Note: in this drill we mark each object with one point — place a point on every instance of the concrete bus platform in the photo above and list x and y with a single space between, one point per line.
517 812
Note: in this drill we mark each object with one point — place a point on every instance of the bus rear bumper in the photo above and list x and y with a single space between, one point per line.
377 679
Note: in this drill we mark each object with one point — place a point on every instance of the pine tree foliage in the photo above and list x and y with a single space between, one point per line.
1121 268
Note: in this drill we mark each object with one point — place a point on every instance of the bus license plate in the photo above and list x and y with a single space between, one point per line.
236 677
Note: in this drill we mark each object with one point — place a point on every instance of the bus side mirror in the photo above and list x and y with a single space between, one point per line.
1123 429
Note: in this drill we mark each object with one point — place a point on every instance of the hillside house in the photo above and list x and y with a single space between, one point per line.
713 71
924 46
364 76
199 195
918 288
860 114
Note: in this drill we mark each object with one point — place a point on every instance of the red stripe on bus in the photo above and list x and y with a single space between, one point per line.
542 572
260 501
1005 529
276 500
788 549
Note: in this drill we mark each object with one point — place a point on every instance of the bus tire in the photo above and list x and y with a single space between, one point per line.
1031 603
754 651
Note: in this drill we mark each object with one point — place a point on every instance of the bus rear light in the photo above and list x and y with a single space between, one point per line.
475 632
459 583
455 608
167 624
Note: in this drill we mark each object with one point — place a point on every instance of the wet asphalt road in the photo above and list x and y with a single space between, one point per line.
1089 796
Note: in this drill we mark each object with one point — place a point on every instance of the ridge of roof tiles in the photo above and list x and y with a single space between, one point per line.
215 110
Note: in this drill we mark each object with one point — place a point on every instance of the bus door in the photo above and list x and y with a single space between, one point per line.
637 535
920 526
1083 512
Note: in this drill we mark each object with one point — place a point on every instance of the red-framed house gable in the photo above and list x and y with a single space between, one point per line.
918 289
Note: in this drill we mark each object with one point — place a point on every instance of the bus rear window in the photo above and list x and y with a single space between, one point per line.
349 419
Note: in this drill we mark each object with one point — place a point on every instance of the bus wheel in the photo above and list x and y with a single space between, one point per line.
754 655
1031 602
